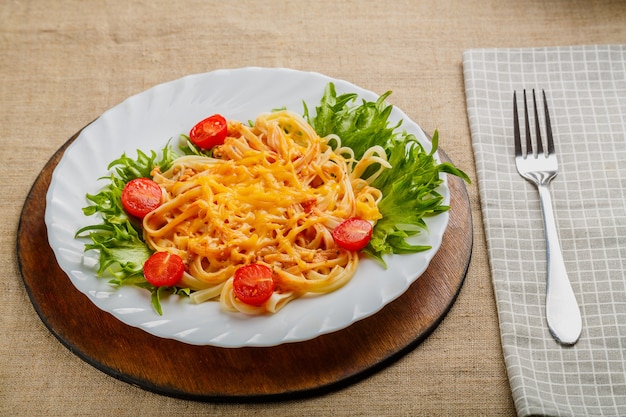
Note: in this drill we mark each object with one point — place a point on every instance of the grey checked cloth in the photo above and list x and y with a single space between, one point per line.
586 91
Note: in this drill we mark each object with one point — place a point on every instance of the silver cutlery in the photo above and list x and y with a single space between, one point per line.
540 166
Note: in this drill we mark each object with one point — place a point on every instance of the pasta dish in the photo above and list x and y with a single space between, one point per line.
254 215
270 195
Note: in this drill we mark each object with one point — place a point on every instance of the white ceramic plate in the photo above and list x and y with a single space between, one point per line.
146 121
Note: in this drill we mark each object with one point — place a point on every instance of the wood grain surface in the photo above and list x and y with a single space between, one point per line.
208 373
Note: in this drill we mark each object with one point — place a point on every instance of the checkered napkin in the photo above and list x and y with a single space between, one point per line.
586 91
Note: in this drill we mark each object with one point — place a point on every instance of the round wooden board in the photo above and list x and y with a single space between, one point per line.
208 373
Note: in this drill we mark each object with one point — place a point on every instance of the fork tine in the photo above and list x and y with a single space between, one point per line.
548 125
529 141
516 134
537 127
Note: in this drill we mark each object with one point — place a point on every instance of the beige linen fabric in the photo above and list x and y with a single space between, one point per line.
65 62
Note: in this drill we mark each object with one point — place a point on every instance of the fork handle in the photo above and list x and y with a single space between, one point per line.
562 311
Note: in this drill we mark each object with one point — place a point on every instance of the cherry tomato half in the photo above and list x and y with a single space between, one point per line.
353 234
140 196
209 132
163 269
253 284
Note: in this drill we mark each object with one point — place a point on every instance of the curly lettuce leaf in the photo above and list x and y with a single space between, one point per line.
409 187
117 238
127 169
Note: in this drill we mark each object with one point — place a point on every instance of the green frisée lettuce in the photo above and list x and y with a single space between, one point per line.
409 187
118 238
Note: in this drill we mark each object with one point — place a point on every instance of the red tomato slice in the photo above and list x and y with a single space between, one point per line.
163 269
253 284
209 132
353 234
140 196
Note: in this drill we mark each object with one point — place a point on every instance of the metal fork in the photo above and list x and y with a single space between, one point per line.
540 167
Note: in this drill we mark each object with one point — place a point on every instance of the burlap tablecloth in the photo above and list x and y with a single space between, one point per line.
65 62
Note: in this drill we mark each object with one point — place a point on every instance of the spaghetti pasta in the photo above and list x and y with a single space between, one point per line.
271 194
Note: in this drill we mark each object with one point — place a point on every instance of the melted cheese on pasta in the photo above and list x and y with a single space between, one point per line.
272 194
